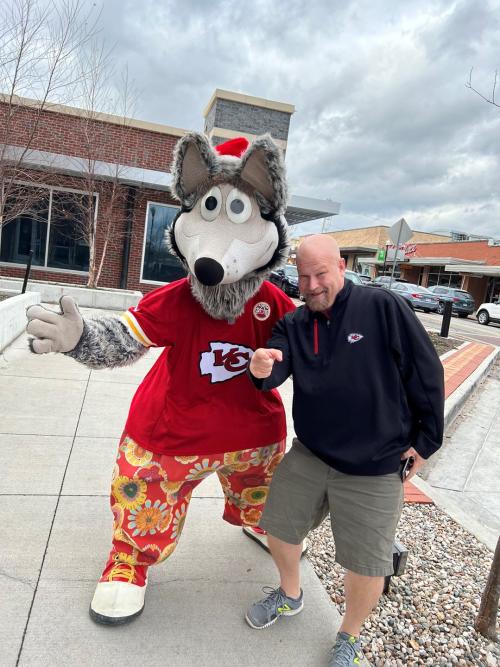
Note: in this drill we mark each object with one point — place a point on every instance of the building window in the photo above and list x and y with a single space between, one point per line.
438 276
25 231
68 248
158 265
52 226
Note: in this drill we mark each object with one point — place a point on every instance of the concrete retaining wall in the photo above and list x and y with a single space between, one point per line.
13 316
110 299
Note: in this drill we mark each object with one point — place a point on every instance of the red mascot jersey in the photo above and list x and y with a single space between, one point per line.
196 399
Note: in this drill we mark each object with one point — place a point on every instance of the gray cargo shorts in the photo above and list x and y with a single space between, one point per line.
364 510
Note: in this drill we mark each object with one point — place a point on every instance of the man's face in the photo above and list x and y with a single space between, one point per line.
321 277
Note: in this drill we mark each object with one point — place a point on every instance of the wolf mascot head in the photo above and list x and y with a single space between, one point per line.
230 231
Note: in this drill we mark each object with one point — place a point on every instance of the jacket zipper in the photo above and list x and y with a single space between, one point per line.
316 345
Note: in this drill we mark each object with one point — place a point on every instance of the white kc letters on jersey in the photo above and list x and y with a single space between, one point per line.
225 361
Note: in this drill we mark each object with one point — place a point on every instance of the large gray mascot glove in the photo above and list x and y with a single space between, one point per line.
54 332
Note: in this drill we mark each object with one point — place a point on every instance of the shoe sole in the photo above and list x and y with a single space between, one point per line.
254 537
112 620
294 612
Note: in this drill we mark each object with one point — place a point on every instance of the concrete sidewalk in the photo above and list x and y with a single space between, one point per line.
59 426
463 476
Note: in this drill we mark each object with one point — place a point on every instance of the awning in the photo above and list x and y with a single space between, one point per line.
479 271
441 261
300 209
303 209
77 166
368 250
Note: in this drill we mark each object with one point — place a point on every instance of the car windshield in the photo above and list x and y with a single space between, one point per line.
291 271
353 277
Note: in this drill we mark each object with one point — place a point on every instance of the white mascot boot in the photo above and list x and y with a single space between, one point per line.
117 602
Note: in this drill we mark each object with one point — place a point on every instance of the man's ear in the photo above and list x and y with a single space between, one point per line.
194 163
263 169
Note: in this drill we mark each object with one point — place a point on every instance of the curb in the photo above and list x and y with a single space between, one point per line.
454 403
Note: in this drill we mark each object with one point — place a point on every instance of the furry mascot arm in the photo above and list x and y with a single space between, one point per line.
103 342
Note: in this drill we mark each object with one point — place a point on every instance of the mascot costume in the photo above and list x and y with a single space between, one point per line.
195 413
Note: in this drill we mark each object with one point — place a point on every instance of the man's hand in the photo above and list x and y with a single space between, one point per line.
54 332
262 362
418 462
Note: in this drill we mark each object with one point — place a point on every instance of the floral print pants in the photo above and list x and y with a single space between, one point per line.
150 495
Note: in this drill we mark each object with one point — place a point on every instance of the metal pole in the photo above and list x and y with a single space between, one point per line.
445 324
27 272
129 215
395 256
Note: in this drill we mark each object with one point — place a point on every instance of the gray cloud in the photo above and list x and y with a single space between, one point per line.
384 122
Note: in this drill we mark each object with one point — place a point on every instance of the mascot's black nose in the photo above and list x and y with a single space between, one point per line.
208 271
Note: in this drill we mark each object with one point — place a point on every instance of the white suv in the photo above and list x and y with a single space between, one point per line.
488 312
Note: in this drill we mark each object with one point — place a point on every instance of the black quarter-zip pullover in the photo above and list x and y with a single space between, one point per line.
367 381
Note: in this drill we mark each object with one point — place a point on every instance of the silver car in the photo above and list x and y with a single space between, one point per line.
417 296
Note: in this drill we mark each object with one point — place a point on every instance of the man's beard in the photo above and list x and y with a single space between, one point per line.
318 302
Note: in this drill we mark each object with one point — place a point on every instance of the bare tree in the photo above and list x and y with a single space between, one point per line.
39 45
101 174
491 99
486 620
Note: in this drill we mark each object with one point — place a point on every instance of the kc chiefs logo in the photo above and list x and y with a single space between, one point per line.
225 361
261 311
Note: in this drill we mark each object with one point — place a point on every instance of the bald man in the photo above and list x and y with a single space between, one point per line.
368 397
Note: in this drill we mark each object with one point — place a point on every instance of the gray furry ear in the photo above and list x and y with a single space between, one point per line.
263 168
194 163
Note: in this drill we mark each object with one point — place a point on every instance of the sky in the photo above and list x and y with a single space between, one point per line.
384 121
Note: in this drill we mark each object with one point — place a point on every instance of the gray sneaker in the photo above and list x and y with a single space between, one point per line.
265 612
347 652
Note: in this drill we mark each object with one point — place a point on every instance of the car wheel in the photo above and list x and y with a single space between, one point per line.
483 317
440 308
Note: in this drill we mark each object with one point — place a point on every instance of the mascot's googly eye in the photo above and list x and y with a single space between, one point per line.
210 204
238 206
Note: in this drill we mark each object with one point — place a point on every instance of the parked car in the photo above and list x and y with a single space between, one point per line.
353 277
383 281
287 279
364 279
417 296
488 312
462 302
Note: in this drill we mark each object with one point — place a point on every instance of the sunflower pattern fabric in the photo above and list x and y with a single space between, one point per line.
150 496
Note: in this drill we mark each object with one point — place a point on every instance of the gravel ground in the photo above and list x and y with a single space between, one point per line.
428 615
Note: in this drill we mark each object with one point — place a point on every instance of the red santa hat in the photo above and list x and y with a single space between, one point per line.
234 147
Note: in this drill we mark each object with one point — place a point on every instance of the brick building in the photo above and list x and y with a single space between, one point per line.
470 265
363 248
71 175
426 259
